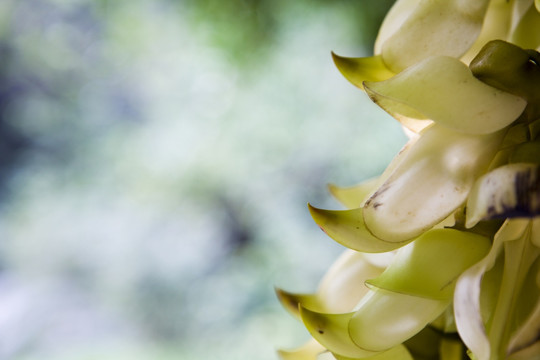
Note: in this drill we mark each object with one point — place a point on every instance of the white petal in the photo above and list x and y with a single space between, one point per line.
430 182
444 90
435 27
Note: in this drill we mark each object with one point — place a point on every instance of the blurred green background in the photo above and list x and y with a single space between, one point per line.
156 158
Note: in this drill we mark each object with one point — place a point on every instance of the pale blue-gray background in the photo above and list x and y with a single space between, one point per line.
156 158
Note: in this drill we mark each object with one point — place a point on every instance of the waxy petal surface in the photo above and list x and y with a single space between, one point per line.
332 331
430 182
512 190
339 290
527 32
435 27
347 228
385 319
444 90
353 197
397 15
467 307
430 265
358 70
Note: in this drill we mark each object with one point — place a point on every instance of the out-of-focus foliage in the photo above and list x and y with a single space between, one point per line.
245 29
153 154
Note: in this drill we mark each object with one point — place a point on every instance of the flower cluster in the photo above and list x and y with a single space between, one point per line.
443 258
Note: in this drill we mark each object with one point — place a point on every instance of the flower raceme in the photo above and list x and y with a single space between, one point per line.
455 217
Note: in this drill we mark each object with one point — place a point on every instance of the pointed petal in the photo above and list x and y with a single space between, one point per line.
467 308
332 331
429 183
429 266
354 196
358 70
435 27
385 319
340 289
508 191
347 228
444 89
291 301
343 285
309 351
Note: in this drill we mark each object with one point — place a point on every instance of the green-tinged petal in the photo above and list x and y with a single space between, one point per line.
398 159
395 18
309 351
435 27
399 352
353 197
518 293
444 90
332 331
509 191
343 285
409 117
527 32
385 319
497 23
537 4
490 288
290 301
467 307
430 182
358 70
509 68
430 265
347 228
339 290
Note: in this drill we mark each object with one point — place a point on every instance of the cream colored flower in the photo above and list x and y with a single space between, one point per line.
457 209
